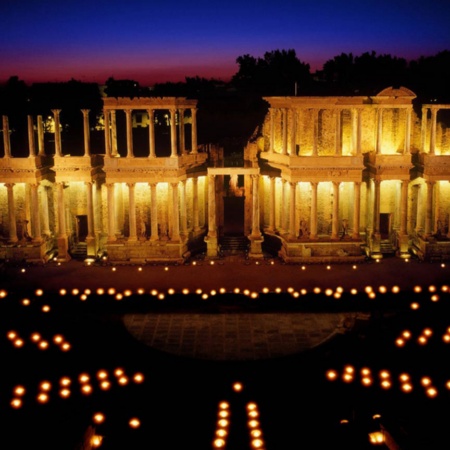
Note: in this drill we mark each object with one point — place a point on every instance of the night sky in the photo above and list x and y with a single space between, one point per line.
166 40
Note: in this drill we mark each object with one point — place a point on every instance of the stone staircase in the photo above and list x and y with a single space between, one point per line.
386 247
233 245
79 251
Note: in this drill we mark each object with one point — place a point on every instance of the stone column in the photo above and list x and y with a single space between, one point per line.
11 213
433 130
111 213
44 209
292 228
132 212
376 207
129 123
63 242
194 131
335 218
293 132
424 128
106 116
313 219
183 208
429 208
315 114
211 238
154 235
86 133
283 218
98 209
114 151
354 121
195 218
181 131
173 133
379 129
407 148
272 129
175 214
58 149
271 227
40 129
6 139
285 131
90 238
151 132
356 209
35 219
419 211
256 232
404 207
31 142
338 137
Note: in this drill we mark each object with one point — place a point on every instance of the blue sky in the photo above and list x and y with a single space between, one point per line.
168 40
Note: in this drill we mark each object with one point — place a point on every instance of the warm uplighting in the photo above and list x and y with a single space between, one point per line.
96 441
19 390
46 308
25 302
35 337
237 387
42 398
98 418
425 381
224 405
43 345
414 305
432 392
376 438
105 385
86 389
119 372
75 291
16 403
138 378
407 387
83 378
18 343
45 386
64 393
65 381
123 380
39 292
417 289
257 443
65 347
218 443
57 339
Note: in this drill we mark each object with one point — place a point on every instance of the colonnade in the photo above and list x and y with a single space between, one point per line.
177 140
290 127
434 109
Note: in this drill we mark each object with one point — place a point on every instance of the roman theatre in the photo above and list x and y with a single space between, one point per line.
322 179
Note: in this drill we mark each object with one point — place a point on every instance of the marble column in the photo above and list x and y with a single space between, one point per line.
256 232
63 242
114 151
194 144
86 132
379 130
6 138
173 133
376 207
175 214
271 227
111 212
335 218
107 124
285 130
98 208
40 129
211 238
429 207
433 130
283 215
195 216
129 125
11 213
404 207
181 131
31 141
154 235
35 219
315 116
272 129
407 148
423 128
293 132
338 133
58 149
292 227
356 209
90 238
419 211
183 209
44 210
151 133
132 212
313 218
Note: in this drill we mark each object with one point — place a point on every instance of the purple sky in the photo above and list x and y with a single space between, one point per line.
166 40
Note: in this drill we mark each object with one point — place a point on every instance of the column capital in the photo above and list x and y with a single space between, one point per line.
153 183
56 111
85 112
131 185
9 185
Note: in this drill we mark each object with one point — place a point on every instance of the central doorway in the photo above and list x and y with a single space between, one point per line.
233 216
82 228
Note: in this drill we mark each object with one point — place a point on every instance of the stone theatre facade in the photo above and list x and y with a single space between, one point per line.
322 179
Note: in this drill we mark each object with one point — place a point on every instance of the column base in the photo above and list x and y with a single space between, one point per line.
91 247
63 249
255 251
211 246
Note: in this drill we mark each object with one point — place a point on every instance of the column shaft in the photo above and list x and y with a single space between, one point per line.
272 130
62 232
132 212
58 149
173 133
195 217
356 208
35 219
429 208
256 233
292 233
40 129
313 219
130 152
376 207
44 208
183 208
111 212
107 124
285 131
335 218
31 142
6 138
404 207
151 133
271 204
11 213
175 214
408 131
423 128
181 131
293 132
433 131
194 144
154 235
114 151
212 231
86 133
283 215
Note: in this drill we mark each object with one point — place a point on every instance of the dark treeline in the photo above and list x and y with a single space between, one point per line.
277 73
